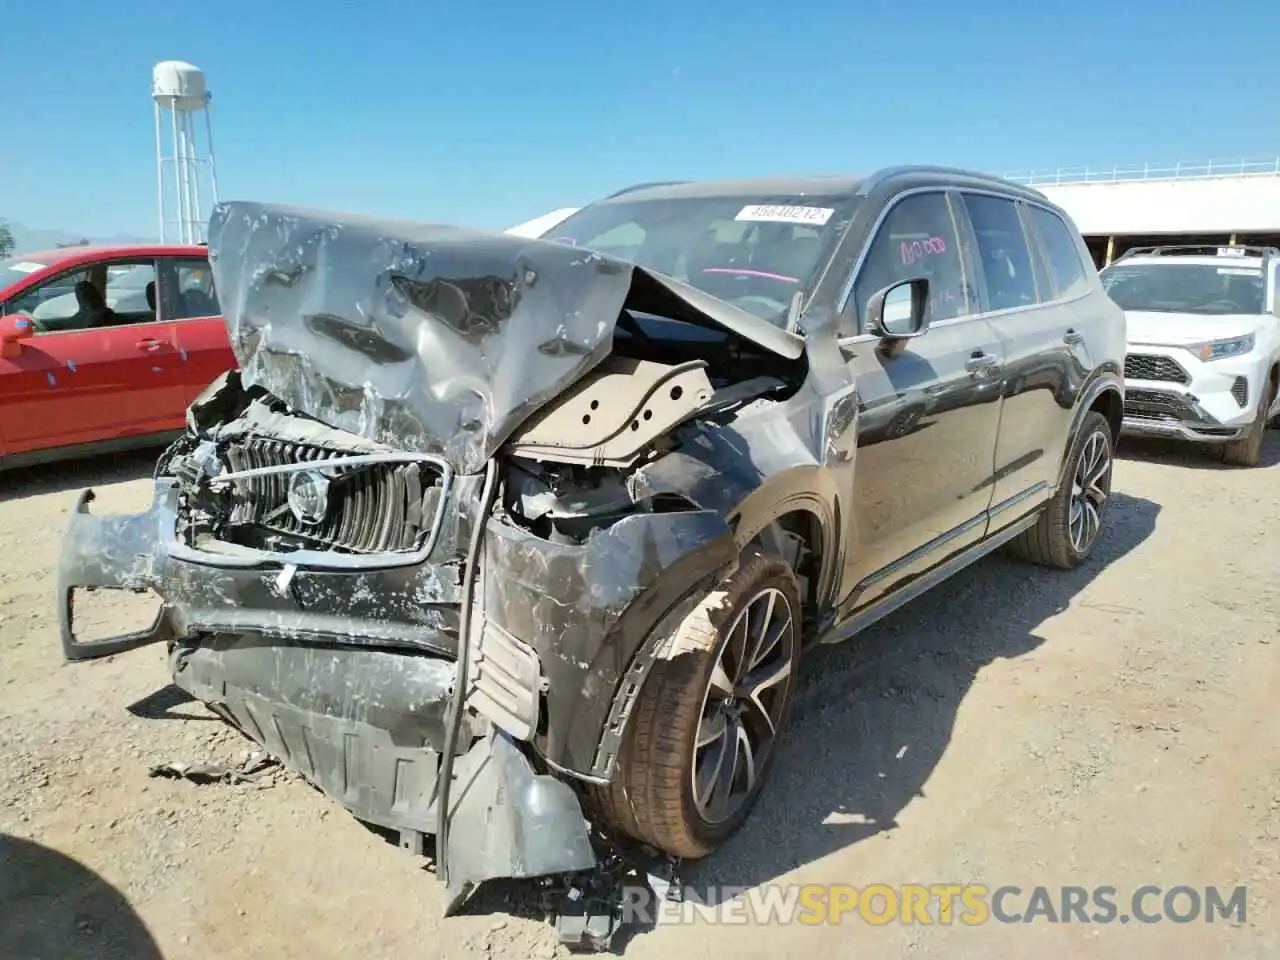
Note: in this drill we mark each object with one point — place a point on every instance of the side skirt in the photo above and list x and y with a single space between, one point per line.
882 608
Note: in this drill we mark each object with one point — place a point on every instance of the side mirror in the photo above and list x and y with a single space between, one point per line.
14 328
898 312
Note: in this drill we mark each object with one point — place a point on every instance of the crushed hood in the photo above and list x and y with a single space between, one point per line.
429 338
1182 329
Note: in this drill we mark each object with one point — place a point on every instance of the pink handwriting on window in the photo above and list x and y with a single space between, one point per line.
919 249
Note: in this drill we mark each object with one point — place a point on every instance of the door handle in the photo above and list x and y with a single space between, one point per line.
151 344
980 363
1072 337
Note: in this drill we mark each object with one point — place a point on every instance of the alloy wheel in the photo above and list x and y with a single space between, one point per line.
744 705
1090 489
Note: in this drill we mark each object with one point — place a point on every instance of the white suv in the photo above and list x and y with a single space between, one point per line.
1203 359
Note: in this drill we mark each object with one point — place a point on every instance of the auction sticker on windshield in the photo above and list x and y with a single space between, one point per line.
779 213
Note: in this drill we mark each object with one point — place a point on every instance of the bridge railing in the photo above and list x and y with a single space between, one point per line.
1198 170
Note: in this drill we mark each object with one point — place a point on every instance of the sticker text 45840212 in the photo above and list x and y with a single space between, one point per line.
786 213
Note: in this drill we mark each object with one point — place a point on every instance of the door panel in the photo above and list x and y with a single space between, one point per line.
1038 397
204 352
1040 344
88 385
928 420
929 407
89 374
188 299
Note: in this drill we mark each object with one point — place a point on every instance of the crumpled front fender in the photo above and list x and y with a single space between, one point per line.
583 611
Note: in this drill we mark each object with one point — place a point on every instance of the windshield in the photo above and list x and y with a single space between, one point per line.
753 252
15 269
1203 288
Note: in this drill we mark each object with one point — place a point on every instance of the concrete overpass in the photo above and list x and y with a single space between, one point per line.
1212 202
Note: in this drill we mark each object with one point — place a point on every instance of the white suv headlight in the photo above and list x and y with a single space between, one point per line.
1220 349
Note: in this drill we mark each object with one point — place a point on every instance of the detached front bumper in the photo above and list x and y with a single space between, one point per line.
354 703
1157 411
1170 392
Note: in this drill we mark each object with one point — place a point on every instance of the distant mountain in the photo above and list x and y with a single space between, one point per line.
29 239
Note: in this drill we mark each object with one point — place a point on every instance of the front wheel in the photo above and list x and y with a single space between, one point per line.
707 723
1064 536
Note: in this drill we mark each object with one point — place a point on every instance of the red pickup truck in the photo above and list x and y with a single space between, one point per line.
102 348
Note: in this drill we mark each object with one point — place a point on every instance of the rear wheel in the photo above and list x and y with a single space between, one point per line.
1247 451
707 722
1069 525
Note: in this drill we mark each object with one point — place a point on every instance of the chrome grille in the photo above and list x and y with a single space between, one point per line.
1145 366
380 507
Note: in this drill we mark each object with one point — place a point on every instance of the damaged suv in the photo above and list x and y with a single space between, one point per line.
532 532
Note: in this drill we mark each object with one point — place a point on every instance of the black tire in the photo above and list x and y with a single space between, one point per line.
1247 451
651 797
1049 542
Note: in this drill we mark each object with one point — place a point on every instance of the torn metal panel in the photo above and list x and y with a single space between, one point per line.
613 415
366 727
770 460
430 338
508 820
255 766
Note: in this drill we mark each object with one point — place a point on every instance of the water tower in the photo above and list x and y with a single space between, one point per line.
180 94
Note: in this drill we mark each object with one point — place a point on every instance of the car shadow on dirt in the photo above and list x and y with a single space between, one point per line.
38 480
163 704
52 906
1197 456
875 715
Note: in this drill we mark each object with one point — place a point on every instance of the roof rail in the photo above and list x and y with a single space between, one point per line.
890 173
642 186
1200 250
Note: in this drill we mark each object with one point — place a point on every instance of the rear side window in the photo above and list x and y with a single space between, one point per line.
196 296
1066 269
1003 252
918 238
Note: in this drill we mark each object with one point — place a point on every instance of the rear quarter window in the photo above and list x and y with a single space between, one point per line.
1066 266
1007 265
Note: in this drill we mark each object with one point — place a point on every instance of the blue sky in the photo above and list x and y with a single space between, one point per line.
491 113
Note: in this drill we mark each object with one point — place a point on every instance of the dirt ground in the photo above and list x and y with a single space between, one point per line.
1117 725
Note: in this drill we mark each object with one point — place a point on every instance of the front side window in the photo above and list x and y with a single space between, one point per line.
1066 268
1201 288
99 295
917 238
1003 251
754 252
52 305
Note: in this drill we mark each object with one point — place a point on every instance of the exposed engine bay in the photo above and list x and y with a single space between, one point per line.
565 469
